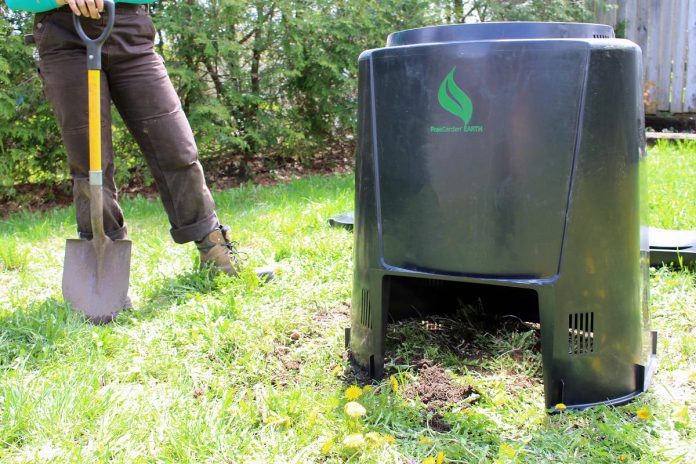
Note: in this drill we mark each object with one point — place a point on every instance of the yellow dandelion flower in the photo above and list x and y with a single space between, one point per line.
622 458
354 440
367 388
312 417
327 447
355 410
499 399
389 439
394 384
560 406
373 437
423 440
681 414
507 451
440 458
353 393
338 370
643 414
428 460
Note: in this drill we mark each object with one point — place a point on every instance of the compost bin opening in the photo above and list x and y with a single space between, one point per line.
414 297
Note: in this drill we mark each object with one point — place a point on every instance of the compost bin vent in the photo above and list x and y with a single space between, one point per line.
365 312
435 283
600 36
581 333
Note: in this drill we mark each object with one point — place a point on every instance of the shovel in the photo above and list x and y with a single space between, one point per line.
96 272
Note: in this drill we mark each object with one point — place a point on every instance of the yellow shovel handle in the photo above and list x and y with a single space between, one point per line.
93 88
93 48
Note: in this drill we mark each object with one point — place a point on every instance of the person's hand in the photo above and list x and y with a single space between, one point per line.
89 8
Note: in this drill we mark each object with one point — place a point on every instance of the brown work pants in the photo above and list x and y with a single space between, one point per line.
133 77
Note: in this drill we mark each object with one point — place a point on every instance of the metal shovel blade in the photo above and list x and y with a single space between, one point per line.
96 276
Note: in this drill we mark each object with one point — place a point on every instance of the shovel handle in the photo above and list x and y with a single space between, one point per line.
94 45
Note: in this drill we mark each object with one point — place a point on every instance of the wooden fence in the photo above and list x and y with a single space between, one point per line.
666 32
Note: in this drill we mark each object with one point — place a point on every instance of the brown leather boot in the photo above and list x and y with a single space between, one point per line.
219 251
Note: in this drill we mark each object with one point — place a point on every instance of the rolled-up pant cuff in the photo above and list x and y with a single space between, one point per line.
118 234
195 231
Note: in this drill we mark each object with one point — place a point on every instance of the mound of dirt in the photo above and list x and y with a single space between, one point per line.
436 389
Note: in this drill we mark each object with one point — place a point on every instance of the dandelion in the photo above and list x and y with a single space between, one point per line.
353 393
681 414
394 384
643 414
355 410
506 451
428 460
312 417
499 399
354 440
423 440
622 458
389 439
327 447
440 458
560 406
374 437
338 370
367 388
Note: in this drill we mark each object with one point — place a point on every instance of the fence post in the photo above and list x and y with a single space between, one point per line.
679 55
690 101
641 20
651 61
664 62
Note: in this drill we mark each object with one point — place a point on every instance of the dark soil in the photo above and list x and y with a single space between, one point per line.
436 389
438 424
222 173
354 374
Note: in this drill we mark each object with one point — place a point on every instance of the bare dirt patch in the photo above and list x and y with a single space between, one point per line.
325 318
287 359
438 424
436 389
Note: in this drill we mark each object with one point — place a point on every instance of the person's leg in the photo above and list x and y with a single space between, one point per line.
150 107
63 69
146 99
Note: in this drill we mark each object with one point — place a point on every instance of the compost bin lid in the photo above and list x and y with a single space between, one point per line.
500 31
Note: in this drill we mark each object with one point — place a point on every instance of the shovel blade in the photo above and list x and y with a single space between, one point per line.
95 280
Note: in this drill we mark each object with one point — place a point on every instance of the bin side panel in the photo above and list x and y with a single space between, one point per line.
475 149
598 317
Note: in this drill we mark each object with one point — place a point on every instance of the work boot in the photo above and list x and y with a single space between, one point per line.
219 251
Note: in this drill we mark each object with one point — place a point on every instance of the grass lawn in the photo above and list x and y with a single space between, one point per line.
212 369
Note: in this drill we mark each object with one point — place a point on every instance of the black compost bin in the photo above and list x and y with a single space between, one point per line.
504 163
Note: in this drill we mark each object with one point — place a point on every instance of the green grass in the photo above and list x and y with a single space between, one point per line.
672 181
212 369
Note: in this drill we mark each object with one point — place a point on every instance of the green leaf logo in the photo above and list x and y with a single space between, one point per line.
454 100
